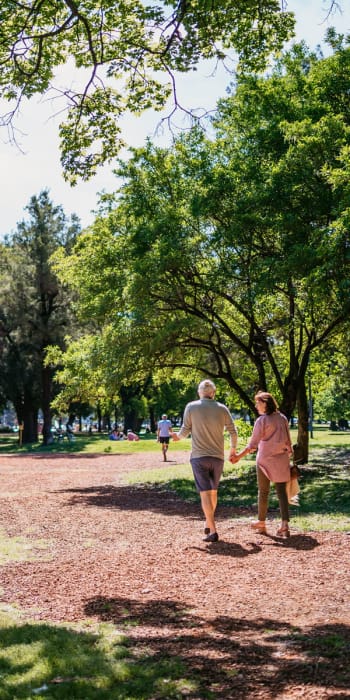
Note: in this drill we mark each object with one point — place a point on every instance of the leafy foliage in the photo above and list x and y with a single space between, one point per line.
35 309
127 54
233 254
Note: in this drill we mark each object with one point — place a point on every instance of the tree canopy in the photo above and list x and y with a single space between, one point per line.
34 310
129 53
230 257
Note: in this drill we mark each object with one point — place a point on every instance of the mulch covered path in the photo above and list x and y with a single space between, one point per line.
252 616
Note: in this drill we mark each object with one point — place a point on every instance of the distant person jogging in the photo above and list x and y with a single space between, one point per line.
206 420
164 432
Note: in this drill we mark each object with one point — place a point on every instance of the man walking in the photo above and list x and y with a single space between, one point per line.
206 420
163 434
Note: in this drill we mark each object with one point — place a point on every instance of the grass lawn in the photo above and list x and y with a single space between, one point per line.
99 443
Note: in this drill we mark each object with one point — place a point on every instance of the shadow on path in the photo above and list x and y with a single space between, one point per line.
234 657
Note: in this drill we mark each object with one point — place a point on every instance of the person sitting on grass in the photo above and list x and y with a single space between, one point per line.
132 436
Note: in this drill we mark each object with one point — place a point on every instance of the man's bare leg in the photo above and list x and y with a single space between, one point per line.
209 501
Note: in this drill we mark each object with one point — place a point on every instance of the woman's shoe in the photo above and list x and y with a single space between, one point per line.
259 527
283 532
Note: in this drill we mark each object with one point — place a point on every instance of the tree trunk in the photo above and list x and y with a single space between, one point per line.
152 420
294 396
131 420
30 425
106 422
290 394
27 416
46 409
301 449
99 419
129 396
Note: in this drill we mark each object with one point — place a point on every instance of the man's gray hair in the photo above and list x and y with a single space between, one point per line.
206 388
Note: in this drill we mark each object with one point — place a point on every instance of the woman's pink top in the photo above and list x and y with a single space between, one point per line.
271 437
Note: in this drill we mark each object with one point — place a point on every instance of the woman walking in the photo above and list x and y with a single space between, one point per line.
271 438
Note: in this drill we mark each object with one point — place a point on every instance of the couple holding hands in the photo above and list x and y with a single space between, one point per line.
206 420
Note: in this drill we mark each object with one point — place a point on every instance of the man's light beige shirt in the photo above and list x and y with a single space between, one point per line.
206 420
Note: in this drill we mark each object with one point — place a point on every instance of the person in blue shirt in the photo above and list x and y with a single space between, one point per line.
164 432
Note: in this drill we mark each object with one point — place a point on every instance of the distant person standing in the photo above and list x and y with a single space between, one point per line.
164 432
206 420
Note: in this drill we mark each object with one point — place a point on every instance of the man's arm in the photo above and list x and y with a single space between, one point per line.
232 430
185 428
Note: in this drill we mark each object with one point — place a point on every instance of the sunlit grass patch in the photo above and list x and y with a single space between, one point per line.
91 661
20 548
338 522
160 475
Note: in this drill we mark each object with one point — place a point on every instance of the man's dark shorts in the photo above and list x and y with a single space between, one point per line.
207 472
164 440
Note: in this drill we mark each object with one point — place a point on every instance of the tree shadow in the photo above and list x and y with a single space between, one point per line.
158 499
233 657
65 455
80 455
159 649
55 662
330 456
39 660
143 497
131 498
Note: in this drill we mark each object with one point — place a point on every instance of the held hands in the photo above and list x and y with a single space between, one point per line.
233 457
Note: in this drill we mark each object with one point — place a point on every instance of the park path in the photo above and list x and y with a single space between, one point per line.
134 555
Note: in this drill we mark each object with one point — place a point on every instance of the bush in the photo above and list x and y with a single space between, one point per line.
244 430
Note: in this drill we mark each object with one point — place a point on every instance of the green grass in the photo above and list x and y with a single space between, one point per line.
325 484
95 443
322 438
87 661
19 548
324 499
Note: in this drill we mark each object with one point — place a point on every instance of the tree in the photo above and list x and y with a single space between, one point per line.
128 53
35 311
330 376
90 370
233 254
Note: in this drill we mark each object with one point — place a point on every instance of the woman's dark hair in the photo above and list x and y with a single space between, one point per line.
266 398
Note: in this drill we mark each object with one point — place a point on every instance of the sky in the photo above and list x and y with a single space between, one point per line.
36 165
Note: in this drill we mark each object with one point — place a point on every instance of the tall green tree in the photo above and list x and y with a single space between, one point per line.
129 53
35 310
233 254
330 380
